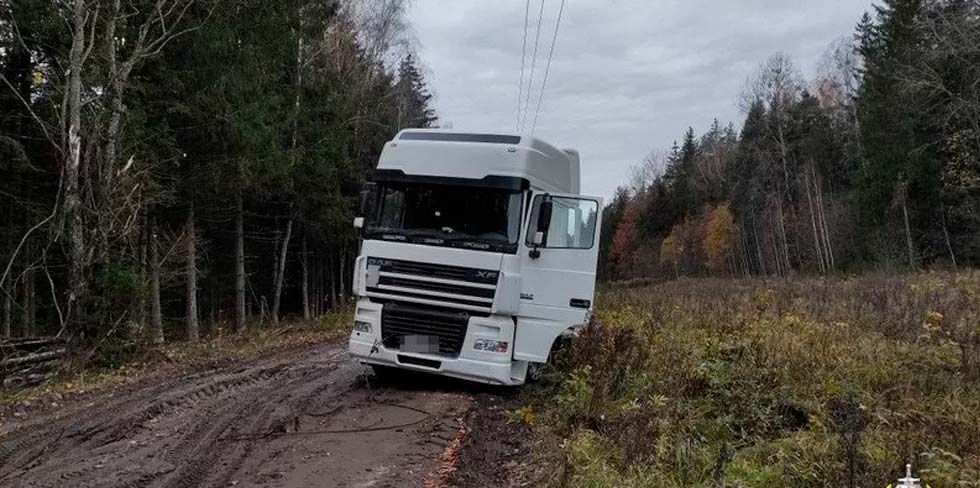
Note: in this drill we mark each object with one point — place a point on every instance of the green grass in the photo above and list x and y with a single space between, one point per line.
781 383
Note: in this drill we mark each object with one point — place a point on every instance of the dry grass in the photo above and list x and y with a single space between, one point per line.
809 382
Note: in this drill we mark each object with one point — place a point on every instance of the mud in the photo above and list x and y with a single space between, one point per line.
310 417
495 451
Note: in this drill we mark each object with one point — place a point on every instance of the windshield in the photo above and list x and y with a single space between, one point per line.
459 216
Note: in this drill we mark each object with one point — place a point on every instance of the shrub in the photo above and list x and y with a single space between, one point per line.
811 382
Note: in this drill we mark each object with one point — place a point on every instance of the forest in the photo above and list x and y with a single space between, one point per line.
873 164
176 168
790 301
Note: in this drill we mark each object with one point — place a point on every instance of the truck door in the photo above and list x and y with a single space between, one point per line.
558 270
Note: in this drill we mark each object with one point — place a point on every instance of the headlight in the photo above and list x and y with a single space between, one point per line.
362 326
490 346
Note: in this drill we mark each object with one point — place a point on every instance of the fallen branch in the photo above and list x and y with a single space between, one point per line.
34 358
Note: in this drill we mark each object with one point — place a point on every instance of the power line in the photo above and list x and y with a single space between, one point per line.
534 60
520 90
547 68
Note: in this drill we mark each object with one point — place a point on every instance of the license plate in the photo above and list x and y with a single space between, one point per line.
420 343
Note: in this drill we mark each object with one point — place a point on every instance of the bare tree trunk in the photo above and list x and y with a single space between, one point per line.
144 264
193 331
744 245
908 234
322 261
156 315
137 302
949 244
817 240
6 325
342 284
822 220
7 329
212 305
782 151
276 242
774 243
263 309
781 222
306 279
280 273
27 312
317 297
311 263
758 247
117 76
321 284
332 279
239 263
77 284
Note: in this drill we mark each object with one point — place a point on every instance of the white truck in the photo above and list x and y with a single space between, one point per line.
478 253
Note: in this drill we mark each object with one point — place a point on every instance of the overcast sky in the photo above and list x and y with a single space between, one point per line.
628 76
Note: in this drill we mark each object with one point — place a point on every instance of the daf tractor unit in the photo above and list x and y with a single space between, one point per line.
478 254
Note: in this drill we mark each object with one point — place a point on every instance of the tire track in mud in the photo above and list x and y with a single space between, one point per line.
210 449
237 425
84 441
112 423
62 425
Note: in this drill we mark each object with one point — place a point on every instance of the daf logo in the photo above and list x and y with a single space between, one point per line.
378 262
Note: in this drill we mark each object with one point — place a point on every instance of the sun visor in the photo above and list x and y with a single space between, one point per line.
500 182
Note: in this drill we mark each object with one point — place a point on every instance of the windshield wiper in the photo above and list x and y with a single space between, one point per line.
425 233
440 237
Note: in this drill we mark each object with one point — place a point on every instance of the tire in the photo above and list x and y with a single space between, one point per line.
535 373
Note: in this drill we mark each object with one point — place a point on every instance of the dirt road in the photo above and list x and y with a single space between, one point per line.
307 417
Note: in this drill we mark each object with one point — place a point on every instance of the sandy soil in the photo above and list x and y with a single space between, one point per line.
308 417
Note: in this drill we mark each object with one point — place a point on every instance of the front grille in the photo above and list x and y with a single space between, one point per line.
399 320
471 289
439 287
432 270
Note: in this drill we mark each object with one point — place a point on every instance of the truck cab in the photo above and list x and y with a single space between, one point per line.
478 253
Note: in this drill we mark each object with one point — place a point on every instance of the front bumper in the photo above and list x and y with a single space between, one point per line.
467 369
470 364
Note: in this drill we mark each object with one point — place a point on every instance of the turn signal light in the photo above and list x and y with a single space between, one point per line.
490 346
361 326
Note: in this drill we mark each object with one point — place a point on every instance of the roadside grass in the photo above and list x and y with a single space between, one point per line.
834 382
130 361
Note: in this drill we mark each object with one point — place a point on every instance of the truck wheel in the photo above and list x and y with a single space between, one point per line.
535 373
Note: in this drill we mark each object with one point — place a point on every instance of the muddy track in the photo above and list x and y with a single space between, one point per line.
304 418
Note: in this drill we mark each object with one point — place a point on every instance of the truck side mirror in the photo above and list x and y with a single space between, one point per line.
369 198
538 238
544 215
368 206
544 221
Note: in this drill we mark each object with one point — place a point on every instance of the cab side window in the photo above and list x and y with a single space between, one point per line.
572 224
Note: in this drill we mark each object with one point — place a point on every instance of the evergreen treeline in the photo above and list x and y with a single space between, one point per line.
170 166
874 164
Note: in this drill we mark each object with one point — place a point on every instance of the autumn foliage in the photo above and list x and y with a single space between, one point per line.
625 240
719 238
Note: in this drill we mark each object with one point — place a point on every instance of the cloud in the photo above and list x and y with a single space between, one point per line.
628 76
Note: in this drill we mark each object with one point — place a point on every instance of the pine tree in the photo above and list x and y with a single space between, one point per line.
415 109
894 130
